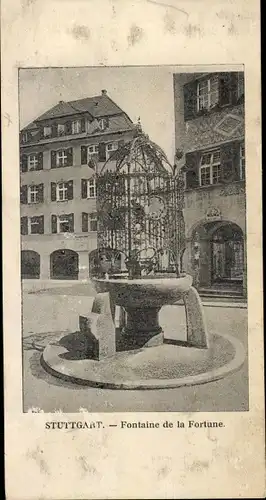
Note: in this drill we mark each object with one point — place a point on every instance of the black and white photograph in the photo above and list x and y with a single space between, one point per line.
133 239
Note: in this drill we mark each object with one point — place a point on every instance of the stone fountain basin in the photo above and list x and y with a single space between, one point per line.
144 292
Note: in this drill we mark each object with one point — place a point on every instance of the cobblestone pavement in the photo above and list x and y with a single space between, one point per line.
59 310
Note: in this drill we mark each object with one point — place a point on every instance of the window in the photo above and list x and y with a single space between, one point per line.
25 137
210 168
207 93
242 161
33 192
33 162
102 123
60 129
62 223
47 131
93 222
112 146
61 158
76 127
88 188
91 188
61 191
65 223
92 150
32 225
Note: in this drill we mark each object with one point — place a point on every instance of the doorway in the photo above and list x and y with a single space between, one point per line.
64 264
227 255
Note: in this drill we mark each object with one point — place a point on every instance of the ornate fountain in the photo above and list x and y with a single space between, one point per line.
138 270
141 237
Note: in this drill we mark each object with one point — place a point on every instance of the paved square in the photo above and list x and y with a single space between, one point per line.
59 309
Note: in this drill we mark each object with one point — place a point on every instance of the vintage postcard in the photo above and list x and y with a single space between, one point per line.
133 331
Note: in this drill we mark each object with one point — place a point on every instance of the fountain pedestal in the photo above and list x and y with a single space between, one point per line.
142 299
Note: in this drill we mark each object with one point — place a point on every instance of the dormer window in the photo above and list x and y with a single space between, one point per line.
47 131
61 129
103 123
25 137
76 127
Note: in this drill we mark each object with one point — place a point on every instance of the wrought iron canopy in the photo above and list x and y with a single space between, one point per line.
140 211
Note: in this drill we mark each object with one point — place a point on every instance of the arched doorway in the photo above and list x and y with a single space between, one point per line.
64 265
227 254
104 261
30 264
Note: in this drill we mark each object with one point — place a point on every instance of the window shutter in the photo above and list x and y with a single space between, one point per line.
107 122
24 225
54 130
40 193
225 89
228 162
83 125
69 153
234 87
71 223
84 188
54 223
85 222
24 163
192 169
40 161
102 151
190 100
92 163
53 159
24 195
53 191
83 154
68 128
70 190
236 158
41 224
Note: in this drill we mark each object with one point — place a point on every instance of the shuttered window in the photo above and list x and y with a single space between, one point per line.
31 194
32 225
89 222
62 158
215 90
62 191
62 223
222 165
88 188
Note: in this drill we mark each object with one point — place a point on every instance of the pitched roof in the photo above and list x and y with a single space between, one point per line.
30 126
97 106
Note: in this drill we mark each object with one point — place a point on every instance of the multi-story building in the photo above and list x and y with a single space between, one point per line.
59 152
209 128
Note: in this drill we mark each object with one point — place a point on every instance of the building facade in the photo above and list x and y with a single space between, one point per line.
210 129
59 153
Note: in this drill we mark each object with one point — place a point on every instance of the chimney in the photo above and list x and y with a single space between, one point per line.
104 92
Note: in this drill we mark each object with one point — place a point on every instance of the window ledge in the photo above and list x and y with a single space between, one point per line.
213 186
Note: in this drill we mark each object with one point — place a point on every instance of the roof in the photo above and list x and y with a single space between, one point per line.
97 106
30 126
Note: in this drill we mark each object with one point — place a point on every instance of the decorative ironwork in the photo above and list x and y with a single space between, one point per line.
140 199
